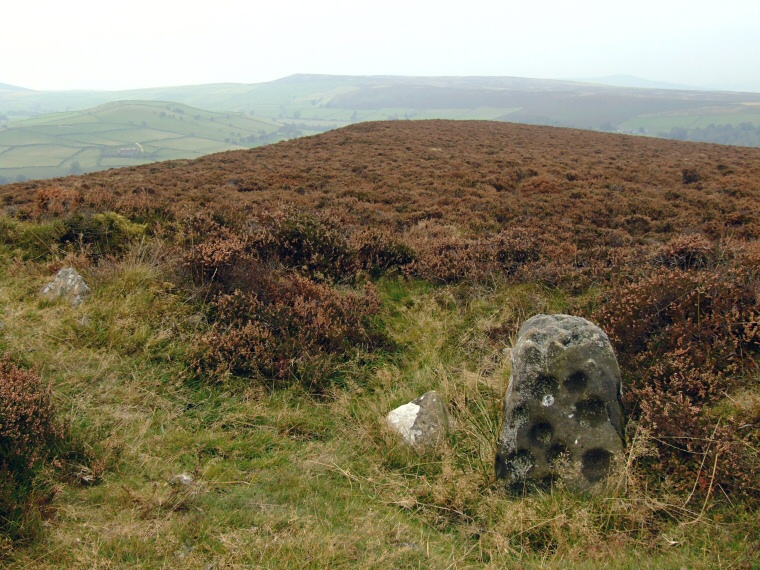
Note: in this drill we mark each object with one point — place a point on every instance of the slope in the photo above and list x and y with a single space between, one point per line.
256 313
121 134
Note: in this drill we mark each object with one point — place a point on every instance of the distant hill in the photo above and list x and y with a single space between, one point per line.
6 87
336 100
122 134
305 104
636 82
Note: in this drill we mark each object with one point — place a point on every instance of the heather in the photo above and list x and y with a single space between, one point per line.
255 314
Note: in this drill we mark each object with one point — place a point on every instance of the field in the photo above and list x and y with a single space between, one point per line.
256 314
699 118
122 134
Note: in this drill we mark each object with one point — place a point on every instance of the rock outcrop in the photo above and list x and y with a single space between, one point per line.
563 418
69 284
422 422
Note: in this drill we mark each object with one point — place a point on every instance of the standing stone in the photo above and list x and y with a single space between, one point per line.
563 417
422 422
68 283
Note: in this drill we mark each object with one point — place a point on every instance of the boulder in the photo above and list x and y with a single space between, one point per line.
563 417
69 284
422 422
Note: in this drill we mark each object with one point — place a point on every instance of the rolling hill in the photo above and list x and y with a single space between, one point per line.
121 134
298 105
338 100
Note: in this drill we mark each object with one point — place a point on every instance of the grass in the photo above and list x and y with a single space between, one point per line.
666 121
279 478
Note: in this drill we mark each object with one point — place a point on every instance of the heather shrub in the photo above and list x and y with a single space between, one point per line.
686 251
29 435
512 248
451 258
377 252
310 244
212 250
56 201
287 326
685 339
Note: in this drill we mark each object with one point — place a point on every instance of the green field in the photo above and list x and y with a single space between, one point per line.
695 118
121 134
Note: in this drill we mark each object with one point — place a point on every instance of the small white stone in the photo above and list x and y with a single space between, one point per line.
181 479
548 400
402 420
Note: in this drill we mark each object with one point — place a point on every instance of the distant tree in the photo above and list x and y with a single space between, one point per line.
75 167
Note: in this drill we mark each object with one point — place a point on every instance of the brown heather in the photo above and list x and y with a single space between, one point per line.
662 233
29 433
28 427
280 247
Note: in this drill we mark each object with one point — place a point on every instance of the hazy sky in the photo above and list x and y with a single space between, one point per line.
88 44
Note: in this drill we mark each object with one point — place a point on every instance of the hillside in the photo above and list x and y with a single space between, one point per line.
6 87
478 175
309 104
256 313
122 134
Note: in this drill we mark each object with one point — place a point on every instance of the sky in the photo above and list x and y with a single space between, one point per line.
88 44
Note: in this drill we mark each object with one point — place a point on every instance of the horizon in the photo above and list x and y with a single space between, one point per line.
616 80
76 46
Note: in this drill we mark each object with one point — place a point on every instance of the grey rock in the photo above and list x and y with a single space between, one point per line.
69 284
422 422
563 417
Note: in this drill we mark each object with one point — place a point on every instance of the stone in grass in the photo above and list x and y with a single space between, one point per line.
423 422
563 418
69 284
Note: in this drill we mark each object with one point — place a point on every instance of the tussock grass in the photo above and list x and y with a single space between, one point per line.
279 478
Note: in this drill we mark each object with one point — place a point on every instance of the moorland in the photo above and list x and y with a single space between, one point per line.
220 400
44 134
